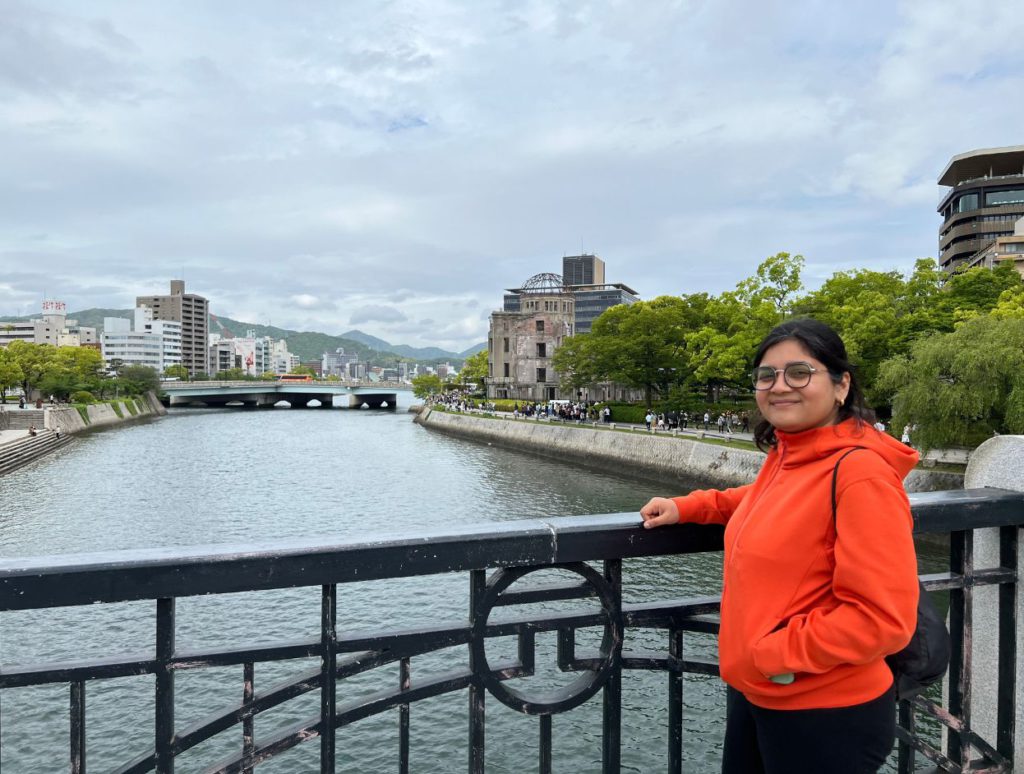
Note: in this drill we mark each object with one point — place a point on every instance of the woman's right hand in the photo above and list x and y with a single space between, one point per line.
658 512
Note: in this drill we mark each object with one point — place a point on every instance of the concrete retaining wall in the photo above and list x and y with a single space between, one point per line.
675 460
69 420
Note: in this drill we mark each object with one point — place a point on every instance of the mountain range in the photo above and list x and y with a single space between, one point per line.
308 345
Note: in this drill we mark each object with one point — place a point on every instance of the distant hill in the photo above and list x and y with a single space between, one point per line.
308 345
415 353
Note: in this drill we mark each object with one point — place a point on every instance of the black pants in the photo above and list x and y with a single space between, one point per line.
844 740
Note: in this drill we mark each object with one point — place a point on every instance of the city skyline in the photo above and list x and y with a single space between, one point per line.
393 168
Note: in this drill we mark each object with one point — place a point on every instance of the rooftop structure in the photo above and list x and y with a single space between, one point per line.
985 199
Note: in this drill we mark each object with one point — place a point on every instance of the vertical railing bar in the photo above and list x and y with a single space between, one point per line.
477 587
1007 692
905 752
405 683
611 738
164 710
328 674
248 723
78 727
961 558
545 744
675 701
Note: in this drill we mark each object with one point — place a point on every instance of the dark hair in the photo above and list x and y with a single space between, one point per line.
824 344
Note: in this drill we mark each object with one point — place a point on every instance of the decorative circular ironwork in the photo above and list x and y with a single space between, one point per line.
546 283
579 690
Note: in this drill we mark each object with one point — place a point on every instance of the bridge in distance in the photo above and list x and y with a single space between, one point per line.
269 394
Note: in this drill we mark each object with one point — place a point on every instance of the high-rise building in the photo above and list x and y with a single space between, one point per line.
985 199
582 270
193 312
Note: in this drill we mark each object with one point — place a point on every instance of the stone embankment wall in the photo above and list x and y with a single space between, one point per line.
70 420
674 460
57 425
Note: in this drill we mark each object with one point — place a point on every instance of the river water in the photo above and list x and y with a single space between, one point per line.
229 476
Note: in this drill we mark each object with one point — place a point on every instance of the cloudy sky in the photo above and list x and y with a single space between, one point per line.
393 166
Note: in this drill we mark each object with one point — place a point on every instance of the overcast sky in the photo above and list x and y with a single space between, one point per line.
393 166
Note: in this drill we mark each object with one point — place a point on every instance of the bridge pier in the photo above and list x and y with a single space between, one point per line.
377 400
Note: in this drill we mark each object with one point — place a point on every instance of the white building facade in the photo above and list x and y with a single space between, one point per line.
141 341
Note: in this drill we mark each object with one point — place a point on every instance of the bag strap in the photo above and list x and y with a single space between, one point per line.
835 478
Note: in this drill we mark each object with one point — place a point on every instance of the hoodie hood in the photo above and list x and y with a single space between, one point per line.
800 448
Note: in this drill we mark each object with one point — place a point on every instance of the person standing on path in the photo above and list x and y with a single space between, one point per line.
813 599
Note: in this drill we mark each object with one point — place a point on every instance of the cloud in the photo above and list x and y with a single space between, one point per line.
380 164
379 313
308 301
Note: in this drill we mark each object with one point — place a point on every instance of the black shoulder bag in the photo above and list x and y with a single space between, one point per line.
925 658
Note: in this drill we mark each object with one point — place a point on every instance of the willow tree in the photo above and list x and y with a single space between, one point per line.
959 388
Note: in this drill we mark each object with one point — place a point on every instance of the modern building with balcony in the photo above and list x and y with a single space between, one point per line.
984 201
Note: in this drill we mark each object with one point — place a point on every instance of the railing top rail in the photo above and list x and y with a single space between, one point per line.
121 576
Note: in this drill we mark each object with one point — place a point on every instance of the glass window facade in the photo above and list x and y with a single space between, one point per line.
997 198
967 202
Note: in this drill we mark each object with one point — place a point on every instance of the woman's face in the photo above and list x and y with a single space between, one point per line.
793 410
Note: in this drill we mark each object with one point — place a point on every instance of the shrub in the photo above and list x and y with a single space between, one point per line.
116 405
130 405
82 396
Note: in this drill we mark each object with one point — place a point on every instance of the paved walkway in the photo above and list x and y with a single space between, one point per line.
6 436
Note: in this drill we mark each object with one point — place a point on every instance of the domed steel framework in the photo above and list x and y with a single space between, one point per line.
546 283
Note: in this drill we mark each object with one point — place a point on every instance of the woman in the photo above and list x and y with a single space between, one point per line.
810 605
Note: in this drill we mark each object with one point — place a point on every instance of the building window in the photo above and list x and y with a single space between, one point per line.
506 343
996 198
540 326
542 374
967 202
542 349
506 369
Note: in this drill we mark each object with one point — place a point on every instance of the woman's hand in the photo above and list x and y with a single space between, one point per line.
659 512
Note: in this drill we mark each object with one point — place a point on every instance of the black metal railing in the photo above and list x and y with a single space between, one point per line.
576 546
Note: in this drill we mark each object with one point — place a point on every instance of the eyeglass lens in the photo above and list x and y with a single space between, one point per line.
797 375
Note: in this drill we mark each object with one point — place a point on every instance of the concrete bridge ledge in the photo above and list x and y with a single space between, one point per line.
998 463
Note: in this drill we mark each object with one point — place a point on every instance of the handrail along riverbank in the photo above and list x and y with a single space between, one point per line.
508 551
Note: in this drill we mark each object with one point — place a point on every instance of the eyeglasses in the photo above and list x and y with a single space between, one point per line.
796 375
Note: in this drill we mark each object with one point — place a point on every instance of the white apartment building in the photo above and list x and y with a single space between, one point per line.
142 340
53 328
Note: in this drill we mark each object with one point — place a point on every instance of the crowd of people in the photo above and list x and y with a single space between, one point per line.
727 422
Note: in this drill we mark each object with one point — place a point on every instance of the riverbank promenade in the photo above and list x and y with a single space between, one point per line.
562 578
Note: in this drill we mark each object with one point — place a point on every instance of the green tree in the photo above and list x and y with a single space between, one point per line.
575 363
302 370
231 375
637 344
977 291
475 369
425 385
176 371
10 373
958 388
139 379
34 360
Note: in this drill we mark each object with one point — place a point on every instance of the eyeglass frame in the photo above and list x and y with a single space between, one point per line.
777 371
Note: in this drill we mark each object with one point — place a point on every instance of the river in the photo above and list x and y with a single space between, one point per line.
230 476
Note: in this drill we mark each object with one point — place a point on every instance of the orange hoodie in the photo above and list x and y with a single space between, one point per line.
799 598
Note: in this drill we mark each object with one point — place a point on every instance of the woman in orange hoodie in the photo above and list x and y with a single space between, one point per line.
810 605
